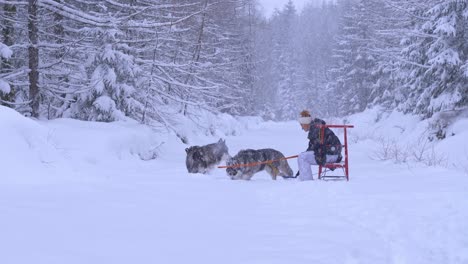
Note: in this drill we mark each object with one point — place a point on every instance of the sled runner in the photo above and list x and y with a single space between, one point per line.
328 170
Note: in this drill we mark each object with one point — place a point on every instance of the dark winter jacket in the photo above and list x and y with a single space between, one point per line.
331 143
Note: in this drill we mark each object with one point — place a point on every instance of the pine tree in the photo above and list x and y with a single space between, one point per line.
342 87
447 53
6 66
317 30
286 70
433 58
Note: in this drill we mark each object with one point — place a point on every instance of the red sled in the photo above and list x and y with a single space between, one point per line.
328 170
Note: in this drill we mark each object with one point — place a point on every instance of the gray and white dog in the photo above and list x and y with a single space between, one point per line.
201 159
279 167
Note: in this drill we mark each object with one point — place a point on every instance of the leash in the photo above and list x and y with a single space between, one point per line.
256 163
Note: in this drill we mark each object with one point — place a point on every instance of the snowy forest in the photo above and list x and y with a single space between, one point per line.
151 60
170 131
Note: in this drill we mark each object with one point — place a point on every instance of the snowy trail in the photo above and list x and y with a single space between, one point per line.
155 212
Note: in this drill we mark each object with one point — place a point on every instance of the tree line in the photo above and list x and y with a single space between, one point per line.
151 60
342 57
106 60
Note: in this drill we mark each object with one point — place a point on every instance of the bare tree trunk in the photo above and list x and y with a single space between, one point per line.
198 47
196 52
59 30
150 83
33 58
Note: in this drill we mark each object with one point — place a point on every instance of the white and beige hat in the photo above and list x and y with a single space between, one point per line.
305 118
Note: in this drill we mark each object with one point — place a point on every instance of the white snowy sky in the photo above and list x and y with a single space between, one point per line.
270 5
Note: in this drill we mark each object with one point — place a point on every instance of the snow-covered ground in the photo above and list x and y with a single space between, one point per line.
83 192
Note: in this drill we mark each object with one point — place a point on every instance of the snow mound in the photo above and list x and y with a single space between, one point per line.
64 146
27 148
440 140
93 143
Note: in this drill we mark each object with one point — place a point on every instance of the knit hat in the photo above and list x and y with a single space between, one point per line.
305 118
